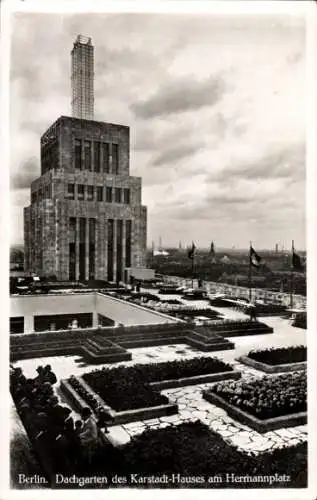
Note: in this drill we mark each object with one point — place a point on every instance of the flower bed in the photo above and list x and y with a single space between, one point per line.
123 393
126 388
229 324
80 394
229 328
285 359
264 404
280 356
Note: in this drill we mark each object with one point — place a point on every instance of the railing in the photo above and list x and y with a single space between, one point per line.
299 301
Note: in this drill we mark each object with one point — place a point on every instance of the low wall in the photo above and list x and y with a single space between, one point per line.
299 301
129 314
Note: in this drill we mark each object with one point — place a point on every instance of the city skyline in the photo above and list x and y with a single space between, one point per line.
217 117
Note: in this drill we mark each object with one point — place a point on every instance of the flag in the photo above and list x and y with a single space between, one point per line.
191 251
212 249
212 252
296 262
255 259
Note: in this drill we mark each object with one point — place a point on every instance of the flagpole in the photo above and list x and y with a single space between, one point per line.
250 273
292 277
193 258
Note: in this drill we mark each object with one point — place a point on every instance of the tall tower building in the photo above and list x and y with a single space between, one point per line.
82 78
86 219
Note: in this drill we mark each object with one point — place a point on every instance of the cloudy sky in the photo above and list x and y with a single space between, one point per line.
216 109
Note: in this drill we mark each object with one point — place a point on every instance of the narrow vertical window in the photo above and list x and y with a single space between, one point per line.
110 250
90 193
87 154
72 249
71 191
78 164
119 250
118 192
99 193
92 246
128 243
108 194
105 157
115 159
82 248
81 192
97 156
126 196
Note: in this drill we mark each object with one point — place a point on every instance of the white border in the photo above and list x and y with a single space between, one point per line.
295 8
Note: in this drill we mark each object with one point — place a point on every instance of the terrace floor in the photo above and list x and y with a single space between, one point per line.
189 399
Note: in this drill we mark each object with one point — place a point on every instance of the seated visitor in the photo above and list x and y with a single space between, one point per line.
39 379
17 377
104 418
57 414
49 376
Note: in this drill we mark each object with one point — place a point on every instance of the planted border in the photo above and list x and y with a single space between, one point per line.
260 426
120 417
286 367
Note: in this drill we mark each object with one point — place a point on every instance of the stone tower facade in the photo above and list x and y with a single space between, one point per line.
86 219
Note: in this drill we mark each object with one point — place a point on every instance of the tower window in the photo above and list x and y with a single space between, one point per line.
126 196
78 163
87 150
90 193
105 157
99 193
109 195
115 159
81 191
97 156
71 191
118 195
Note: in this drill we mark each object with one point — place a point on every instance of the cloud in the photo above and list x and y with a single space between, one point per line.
282 163
177 153
28 172
180 95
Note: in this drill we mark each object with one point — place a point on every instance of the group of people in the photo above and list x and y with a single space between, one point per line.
70 445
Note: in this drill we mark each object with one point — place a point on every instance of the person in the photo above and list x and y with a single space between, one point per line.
74 448
48 375
17 377
57 414
89 434
252 312
103 419
39 379
78 427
